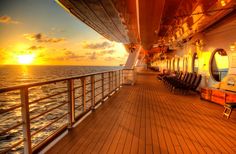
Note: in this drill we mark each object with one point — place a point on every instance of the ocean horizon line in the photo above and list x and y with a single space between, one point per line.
65 65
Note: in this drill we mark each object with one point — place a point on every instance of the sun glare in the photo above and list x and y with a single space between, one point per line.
25 59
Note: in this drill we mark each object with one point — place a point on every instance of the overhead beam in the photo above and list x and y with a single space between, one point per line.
150 14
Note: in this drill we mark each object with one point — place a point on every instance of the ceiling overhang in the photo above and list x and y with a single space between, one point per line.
101 15
151 23
150 14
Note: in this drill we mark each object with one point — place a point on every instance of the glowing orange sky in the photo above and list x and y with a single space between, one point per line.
53 36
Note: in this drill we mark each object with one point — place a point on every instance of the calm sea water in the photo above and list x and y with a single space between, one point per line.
18 75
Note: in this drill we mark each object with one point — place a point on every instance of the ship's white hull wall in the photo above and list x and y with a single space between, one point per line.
222 35
132 58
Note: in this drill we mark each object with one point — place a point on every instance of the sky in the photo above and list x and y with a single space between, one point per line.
43 30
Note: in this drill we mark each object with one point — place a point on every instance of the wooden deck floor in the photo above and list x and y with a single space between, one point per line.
147 118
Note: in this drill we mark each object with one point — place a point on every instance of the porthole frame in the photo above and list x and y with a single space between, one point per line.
210 63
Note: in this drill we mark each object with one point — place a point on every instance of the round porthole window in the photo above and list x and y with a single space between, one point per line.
219 64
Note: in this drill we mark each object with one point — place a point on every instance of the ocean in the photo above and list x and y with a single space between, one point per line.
19 75
13 75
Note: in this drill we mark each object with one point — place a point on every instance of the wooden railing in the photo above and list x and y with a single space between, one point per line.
33 115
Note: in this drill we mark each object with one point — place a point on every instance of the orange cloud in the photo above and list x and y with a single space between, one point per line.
69 55
66 56
111 51
42 38
34 47
92 55
7 20
100 45
114 58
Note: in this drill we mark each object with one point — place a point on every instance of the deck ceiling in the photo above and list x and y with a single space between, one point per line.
148 22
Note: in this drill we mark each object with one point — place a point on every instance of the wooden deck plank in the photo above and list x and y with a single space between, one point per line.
105 135
101 130
191 136
125 129
135 139
142 134
147 118
215 140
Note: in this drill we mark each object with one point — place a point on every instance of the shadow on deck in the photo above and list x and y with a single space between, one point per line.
147 118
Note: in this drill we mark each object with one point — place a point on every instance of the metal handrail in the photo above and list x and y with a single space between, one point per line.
112 80
47 111
7 89
13 146
50 96
36 132
108 83
128 78
10 109
13 127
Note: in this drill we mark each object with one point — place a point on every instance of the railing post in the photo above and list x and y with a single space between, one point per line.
93 92
122 77
116 80
109 82
26 120
119 79
112 81
102 87
71 102
83 83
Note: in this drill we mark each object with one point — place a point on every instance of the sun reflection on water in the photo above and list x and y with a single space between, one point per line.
25 71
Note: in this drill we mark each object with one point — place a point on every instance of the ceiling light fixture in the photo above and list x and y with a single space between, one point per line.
222 2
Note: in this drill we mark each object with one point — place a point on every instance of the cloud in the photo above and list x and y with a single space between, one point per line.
102 53
67 56
8 20
113 58
34 47
71 55
111 51
92 56
110 58
41 55
101 45
39 37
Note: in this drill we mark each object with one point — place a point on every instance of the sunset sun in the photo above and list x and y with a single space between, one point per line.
25 59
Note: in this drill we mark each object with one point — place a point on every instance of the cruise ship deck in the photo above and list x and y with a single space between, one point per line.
147 118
